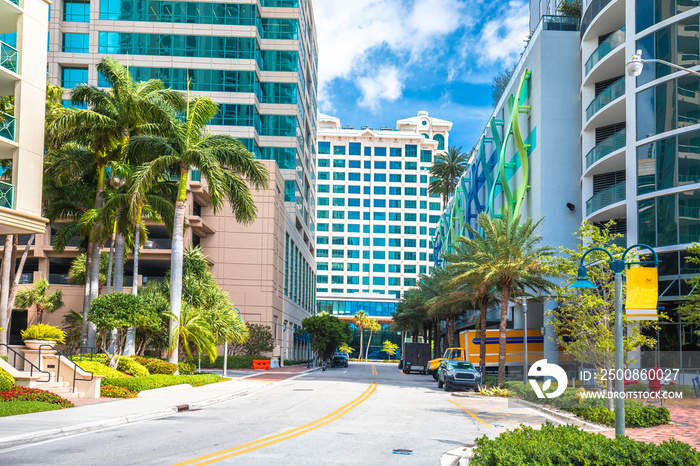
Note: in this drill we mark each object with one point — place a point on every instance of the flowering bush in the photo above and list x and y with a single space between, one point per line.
34 394
130 366
112 391
43 332
6 375
100 369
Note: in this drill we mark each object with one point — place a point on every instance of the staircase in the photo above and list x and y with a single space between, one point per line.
56 384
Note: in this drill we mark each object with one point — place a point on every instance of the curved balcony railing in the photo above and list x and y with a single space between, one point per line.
9 57
606 146
613 41
7 195
7 126
606 197
612 92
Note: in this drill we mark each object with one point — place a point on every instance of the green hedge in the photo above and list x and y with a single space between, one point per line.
7 376
233 362
186 368
569 445
161 380
129 366
595 410
10 408
98 368
5 384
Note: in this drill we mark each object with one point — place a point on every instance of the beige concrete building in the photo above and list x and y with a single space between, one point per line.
23 30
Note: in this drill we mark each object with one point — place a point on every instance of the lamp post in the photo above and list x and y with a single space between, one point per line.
635 66
523 302
582 281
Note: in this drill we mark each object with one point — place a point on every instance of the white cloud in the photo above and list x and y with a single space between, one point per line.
349 30
502 38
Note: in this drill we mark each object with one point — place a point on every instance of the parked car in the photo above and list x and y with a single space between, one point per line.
340 360
458 374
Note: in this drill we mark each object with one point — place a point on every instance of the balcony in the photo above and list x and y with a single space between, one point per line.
605 147
7 126
560 23
613 41
606 197
611 93
9 57
7 195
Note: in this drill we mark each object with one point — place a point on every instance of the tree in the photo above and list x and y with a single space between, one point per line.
78 268
690 309
37 296
326 333
372 326
447 169
410 316
570 8
499 84
260 340
508 255
222 160
390 348
345 348
72 325
360 321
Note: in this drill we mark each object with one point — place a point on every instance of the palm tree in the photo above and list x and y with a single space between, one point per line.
447 169
360 320
37 295
222 160
507 255
372 326
113 117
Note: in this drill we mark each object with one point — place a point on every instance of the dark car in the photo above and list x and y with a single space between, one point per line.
340 360
458 374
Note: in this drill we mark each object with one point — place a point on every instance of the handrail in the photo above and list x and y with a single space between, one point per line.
31 364
58 369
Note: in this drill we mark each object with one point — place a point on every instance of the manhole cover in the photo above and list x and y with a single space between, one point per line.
401 451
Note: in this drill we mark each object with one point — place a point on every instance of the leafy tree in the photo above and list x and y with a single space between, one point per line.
345 348
570 8
37 296
360 321
508 255
690 309
372 326
447 169
119 311
390 348
585 320
73 325
326 333
76 273
225 163
410 316
260 340
499 84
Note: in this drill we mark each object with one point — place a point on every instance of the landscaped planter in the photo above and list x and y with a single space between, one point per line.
36 344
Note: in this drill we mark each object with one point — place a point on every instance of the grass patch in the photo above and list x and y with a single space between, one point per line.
150 382
10 408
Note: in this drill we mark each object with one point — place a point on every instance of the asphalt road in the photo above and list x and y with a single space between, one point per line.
364 414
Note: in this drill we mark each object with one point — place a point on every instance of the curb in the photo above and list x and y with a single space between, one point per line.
567 418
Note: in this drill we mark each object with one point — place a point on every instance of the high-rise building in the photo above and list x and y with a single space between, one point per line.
256 59
23 29
374 216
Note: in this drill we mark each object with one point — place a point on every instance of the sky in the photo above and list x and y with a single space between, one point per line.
384 60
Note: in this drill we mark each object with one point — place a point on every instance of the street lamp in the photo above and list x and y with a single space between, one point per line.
635 66
523 302
582 281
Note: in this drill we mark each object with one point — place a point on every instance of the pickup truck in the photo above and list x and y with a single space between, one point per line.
340 360
451 354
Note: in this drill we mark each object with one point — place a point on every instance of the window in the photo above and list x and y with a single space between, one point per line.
71 77
434 219
337 266
353 228
339 150
353 254
365 229
380 165
410 191
379 203
441 141
423 218
322 214
394 268
426 156
324 147
338 214
394 229
353 215
338 201
378 268
395 165
338 253
423 205
352 267
353 241
380 151
322 278
353 202
409 204
381 229
409 281
368 177
411 178
354 163
379 242
380 177
434 206
323 201
353 280
368 151
323 188
367 190
380 190
378 255
422 256
409 230
338 163
409 243
394 216
322 227
395 191
338 280
423 179
338 227
322 240
409 269
322 253
378 281
394 203
394 281
354 148
354 189
324 176
380 216
395 255
411 165
321 265
339 189
76 11
422 269
395 152
338 176
395 179
393 242
409 217
423 243
353 177
411 150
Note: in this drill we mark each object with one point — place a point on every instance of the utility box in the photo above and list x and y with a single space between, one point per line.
416 357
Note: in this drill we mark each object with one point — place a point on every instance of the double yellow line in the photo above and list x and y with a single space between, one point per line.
273 439
374 370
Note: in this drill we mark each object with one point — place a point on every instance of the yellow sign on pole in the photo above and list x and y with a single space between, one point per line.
642 294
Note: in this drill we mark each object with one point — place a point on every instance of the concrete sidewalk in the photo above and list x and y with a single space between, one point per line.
150 404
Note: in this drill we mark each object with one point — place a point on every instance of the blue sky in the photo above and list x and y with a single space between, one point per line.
384 60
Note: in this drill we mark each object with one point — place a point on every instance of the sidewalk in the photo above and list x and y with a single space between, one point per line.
150 404
687 428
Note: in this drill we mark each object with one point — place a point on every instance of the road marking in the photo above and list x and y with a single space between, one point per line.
471 414
273 439
374 370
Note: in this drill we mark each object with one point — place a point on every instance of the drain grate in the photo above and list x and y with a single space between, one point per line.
402 451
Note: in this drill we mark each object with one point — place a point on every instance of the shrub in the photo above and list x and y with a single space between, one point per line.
568 444
158 366
99 357
43 332
34 394
636 387
6 375
11 408
186 368
98 368
490 381
160 380
233 362
131 367
5 384
112 391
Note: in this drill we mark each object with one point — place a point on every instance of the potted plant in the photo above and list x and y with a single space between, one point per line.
42 334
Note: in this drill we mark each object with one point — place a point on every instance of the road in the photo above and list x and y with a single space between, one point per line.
364 414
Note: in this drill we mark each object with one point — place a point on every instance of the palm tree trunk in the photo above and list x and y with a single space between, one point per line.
176 254
15 285
505 293
110 262
94 273
5 290
119 251
130 345
359 356
482 333
368 343
86 299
